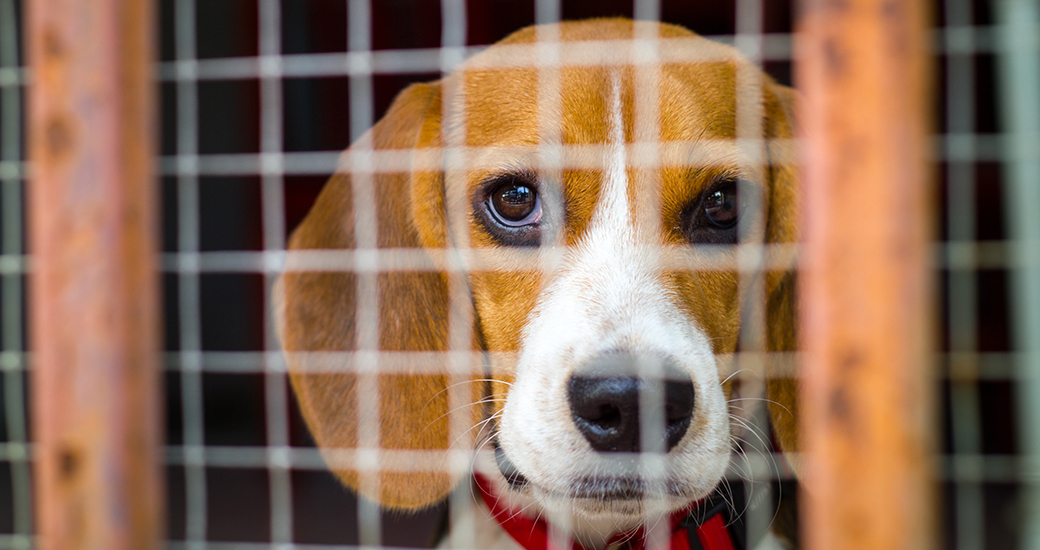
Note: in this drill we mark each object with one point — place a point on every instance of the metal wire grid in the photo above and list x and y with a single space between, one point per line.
1014 40
961 147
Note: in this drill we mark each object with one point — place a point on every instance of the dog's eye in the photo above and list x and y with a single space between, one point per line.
515 204
720 205
712 217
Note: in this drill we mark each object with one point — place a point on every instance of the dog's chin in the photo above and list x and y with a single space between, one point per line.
626 498
619 499
625 510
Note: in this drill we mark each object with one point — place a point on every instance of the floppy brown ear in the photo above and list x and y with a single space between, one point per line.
316 312
782 228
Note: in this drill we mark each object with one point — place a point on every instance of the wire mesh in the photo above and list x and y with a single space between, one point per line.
258 100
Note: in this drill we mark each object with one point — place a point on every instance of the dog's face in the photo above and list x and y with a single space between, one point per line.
606 201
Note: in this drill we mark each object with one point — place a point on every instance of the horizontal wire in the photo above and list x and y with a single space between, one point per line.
980 39
954 256
980 366
951 467
955 147
968 366
432 60
774 47
13 451
984 366
951 147
692 258
17 542
700 153
972 255
958 467
11 264
13 169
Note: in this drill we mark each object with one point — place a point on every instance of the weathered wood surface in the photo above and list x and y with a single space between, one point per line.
863 72
94 300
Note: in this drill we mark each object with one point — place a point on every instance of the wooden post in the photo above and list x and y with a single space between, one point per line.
865 287
94 302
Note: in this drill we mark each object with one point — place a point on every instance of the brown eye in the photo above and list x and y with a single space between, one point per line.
720 206
515 204
711 218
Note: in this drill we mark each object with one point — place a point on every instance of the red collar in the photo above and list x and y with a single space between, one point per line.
711 533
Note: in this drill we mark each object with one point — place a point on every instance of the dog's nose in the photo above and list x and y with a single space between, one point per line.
608 394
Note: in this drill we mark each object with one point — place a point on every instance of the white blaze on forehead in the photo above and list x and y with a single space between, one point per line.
608 295
614 211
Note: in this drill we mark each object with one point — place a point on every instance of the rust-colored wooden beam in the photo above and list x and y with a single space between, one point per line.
863 71
94 302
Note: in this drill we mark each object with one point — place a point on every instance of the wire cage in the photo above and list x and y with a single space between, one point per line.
255 100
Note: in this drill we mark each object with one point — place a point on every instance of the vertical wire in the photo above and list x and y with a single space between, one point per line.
647 136
276 405
547 12
962 299
359 43
462 518
11 318
550 148
188 278
550 133
751 256
1019 87
647 10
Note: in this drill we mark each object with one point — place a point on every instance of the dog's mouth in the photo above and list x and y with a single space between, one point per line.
624 488
608 488
516 480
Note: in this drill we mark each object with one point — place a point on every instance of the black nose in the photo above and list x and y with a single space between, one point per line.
605 397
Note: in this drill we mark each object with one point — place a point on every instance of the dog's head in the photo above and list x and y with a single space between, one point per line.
599 202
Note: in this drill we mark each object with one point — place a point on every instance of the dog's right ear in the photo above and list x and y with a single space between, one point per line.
317 316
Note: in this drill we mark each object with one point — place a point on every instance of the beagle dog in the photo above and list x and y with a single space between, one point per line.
564 227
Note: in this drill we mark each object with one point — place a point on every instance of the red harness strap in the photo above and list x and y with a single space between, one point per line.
711 533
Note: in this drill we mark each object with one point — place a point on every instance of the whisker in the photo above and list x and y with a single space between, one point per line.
459 408
732 374
480 425
764 400
462 383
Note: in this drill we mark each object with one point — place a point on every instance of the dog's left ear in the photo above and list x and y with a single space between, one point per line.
782 228
322 315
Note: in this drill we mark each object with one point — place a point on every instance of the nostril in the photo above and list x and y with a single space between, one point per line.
604 415
678 410
606 395
608 416
678 399
605 411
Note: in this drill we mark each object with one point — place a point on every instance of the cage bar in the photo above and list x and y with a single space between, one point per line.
865 295
94 303
189 307
961 296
